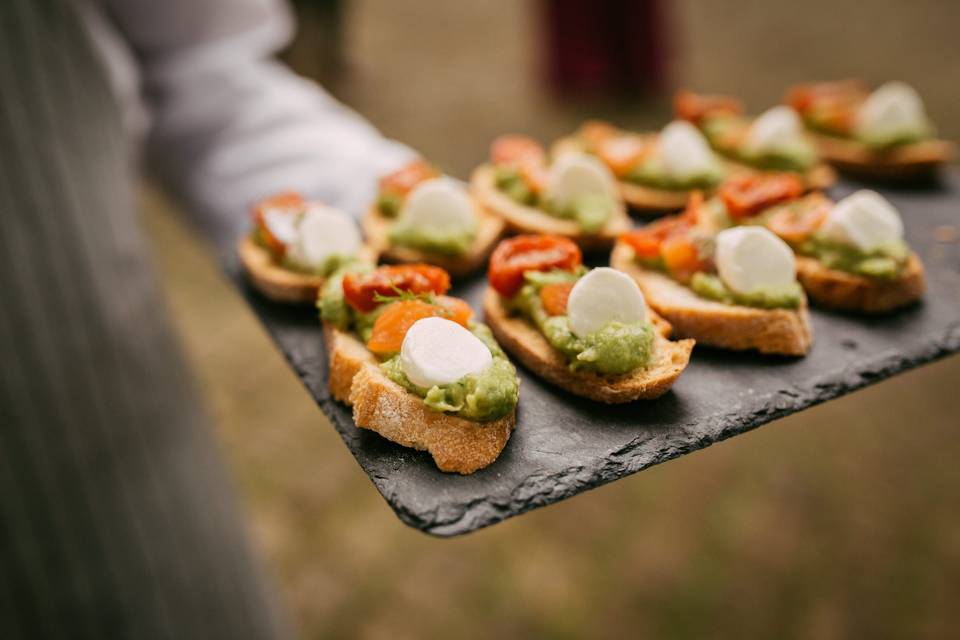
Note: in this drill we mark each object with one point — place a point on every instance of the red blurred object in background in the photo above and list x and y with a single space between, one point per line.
609 47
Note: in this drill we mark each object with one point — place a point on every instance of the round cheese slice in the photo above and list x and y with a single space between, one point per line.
437 351
323 232
894 108
776 128
751 258
441 204
864 220
576 174
684 151
604 295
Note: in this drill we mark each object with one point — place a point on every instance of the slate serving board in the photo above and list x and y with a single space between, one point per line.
563 445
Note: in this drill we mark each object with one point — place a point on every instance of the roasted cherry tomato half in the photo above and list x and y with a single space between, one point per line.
748 195
362 290
392 325
514 256
402 181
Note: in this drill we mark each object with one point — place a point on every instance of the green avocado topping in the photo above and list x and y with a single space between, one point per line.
711 287
883 263
485 396
616 349
509 181
651 173
389 204
432 240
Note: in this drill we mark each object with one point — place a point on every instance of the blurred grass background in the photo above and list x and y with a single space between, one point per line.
842 521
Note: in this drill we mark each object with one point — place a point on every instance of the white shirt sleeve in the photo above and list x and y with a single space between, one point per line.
230 125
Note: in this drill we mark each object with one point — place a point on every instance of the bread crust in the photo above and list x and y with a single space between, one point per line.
457 445
524 219
904 163
524 341
775 331
278 283
819 177
849 292
376 229
345 356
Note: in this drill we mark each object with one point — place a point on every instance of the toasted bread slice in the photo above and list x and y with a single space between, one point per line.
819 177
456 444
849 292
376 228
345 356
524 341
780 331
279 283
524 219
903 163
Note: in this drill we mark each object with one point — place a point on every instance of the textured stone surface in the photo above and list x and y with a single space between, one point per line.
564 445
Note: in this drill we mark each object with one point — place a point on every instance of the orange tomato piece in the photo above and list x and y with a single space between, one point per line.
681 256
402 181
392 325
694 107
519 254
554 297
361 290
288 201
623 153
748 195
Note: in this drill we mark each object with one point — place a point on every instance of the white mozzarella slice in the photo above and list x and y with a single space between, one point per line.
439 203
577 174
777 128
751 258
864 220
684 151
323 232
893 109
437 351
604 295
282 224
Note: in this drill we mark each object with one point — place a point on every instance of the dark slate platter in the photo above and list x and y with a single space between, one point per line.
564 445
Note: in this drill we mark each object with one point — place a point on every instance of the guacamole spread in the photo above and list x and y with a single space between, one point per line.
484 396
590 211
723 133
651 173
884 263
389 204
432 240
711 287
335 310
616 349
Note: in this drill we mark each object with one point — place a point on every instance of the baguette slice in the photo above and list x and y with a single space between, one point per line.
456 444
376 229
381 405
281 284
819 177
524 219
525 342
904 163
849 292
779 331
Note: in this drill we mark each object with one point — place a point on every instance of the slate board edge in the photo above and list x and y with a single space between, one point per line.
545 489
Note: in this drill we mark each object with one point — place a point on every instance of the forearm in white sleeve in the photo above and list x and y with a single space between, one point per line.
230 125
